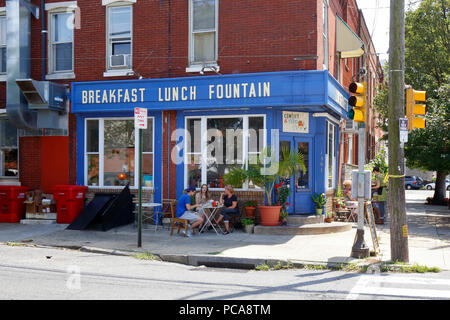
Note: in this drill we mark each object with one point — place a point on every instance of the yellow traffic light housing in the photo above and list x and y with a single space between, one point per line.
413 109
357 101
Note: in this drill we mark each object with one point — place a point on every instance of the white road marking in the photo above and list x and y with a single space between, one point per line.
372 285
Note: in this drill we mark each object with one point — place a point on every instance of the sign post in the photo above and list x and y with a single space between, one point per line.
360 250
140 123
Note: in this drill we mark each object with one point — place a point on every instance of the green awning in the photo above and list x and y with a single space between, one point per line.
348 44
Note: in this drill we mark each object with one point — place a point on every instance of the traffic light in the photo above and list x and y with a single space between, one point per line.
413 109
357 101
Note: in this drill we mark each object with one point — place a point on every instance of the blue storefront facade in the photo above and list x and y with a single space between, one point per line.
217 118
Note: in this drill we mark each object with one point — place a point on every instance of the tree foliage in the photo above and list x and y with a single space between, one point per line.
427 67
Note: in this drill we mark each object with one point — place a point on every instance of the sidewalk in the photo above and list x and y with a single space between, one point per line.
428 231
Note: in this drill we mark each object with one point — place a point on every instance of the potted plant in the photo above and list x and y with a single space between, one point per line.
282 194
329 217
250 208
319 200
267 173
235 177
248 224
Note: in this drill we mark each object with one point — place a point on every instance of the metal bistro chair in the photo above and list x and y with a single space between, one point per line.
174 219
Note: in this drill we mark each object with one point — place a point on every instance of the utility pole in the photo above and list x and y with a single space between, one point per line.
397 210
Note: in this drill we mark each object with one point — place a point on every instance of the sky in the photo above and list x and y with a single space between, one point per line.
376 13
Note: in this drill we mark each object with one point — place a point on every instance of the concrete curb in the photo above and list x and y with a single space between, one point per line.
207 260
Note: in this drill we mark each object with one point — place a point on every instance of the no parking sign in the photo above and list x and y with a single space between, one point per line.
140 118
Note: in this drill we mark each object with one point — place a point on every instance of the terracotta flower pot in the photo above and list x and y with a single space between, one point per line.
270 215
329 220
250 212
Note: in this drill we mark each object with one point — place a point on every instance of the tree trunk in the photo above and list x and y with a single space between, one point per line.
439 190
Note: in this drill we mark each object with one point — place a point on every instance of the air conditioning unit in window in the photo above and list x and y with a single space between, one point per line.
350 126
120 60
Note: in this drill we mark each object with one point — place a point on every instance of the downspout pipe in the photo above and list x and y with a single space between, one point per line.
18 41
43 40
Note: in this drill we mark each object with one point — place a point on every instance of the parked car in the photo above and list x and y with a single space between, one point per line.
432 185
413 182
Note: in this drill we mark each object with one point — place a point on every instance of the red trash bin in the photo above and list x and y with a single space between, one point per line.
69 202
12 207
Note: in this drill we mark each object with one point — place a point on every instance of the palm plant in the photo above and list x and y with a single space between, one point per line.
267 176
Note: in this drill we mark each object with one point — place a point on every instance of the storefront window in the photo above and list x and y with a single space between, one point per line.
215 144
118 153
224 148
111 154
8 150
92 152
194 152
331 155
147 155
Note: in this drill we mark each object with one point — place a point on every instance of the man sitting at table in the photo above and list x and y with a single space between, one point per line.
186 211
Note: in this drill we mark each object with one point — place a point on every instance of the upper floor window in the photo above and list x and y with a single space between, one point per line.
119 37
203 31
61 42
3 44
325 34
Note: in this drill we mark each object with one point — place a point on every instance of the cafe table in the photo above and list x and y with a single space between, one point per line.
212 217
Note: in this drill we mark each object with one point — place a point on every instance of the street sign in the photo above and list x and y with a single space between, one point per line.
403 126
140 118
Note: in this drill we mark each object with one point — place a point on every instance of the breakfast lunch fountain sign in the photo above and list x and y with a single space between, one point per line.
296 122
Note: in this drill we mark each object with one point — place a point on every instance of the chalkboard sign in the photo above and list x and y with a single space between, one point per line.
371 221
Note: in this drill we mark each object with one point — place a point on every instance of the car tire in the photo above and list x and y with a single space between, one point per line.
429 188
408 186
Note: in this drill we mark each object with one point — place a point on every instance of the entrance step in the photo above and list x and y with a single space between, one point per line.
45 216
38 221
304 219
39 218
306 229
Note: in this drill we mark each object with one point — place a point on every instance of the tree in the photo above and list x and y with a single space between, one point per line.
427 67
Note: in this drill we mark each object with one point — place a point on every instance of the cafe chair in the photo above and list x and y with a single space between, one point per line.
174 220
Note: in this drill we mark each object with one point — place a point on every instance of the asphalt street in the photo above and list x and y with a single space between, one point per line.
41 273
63 274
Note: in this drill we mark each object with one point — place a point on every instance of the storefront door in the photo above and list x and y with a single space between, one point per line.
300 184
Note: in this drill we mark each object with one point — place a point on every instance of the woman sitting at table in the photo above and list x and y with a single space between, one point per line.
350 203
201 199
203 196
230 201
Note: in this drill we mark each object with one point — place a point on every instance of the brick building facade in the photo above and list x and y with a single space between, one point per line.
174 39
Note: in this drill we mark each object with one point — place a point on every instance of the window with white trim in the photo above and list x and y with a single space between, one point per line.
9 158
119 37
325 33
111 155
203 32
330 156
61 42
214 144
2 44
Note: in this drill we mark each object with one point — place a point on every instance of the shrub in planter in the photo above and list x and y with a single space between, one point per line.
319 200
250 208
248 224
